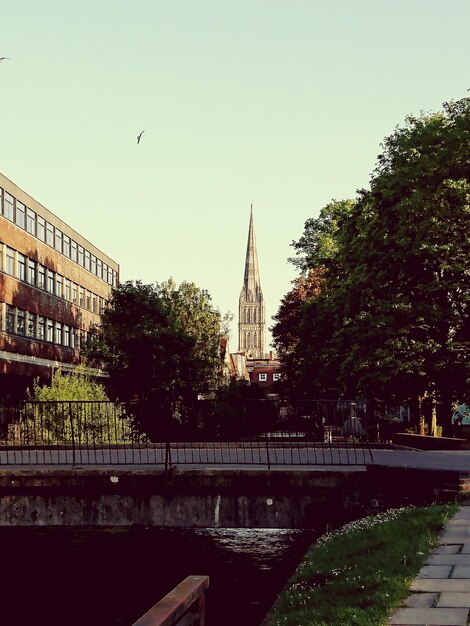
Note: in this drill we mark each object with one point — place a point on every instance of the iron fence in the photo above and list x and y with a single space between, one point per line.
263 432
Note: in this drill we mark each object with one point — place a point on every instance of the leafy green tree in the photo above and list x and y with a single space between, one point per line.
72 408
392 320
319 243
160 345
76 385
287 330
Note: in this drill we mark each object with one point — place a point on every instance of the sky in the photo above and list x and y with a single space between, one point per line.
282 104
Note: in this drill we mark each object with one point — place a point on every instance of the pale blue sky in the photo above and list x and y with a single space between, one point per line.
279 103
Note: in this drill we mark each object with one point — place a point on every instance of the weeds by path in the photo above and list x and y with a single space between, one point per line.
355 576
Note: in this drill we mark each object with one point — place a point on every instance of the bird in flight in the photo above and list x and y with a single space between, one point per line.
139 136
4 59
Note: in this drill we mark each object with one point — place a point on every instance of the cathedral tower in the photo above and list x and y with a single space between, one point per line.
251 316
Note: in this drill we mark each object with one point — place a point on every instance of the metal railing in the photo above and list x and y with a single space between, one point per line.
183 606
254 433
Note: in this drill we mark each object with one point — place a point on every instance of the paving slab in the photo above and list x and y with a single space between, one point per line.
464 513
422 600
435 571
456 539
460 571
430 617
441 584
448 549
448 559
450 599
465 548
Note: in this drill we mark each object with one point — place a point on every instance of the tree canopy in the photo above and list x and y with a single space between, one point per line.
159 344
392 320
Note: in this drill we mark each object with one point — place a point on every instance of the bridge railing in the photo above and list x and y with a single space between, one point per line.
183 606
265 433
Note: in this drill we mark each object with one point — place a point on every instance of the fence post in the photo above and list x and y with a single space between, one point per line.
267 452
72 433
167 456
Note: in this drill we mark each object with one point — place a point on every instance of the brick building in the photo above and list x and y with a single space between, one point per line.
53 286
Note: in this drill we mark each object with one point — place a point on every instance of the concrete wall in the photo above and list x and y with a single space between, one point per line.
189 498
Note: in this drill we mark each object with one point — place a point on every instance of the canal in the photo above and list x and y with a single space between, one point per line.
110 577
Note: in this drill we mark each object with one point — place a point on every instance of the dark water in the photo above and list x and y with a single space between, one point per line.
110 577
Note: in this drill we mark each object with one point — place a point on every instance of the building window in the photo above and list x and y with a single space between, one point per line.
73 250
59 281
1 257
50 281
41 328
41 277
262 377
10 319
66 335
21 322
87 260
88 301
276 376
58 333
94 304
99 268
8 210
31 325
66 246
32 272
105 273
10 261
21 267
81 255
31 221
50 331
93 264
67 290
49 234
58 240
41 228
20 215
74 294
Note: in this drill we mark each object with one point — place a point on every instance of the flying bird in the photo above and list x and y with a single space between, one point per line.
139 136
4 59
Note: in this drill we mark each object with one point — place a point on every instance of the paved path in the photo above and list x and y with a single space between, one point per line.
441 591
233 456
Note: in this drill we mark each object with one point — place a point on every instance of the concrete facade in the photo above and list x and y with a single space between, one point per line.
53 285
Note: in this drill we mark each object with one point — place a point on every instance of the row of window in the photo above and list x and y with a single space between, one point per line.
264 377
250 316
250 339
37 275
26 324
29 220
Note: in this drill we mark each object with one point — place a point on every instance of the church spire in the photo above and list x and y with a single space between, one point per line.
251 282
251 315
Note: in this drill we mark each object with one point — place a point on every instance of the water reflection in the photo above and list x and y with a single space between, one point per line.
109 577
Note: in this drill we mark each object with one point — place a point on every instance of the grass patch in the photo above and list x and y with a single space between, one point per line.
357 575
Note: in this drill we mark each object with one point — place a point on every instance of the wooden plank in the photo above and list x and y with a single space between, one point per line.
176 603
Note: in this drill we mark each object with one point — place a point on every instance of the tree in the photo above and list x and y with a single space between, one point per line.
72 386
319 243
287 329
72 408
159 344
392 319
